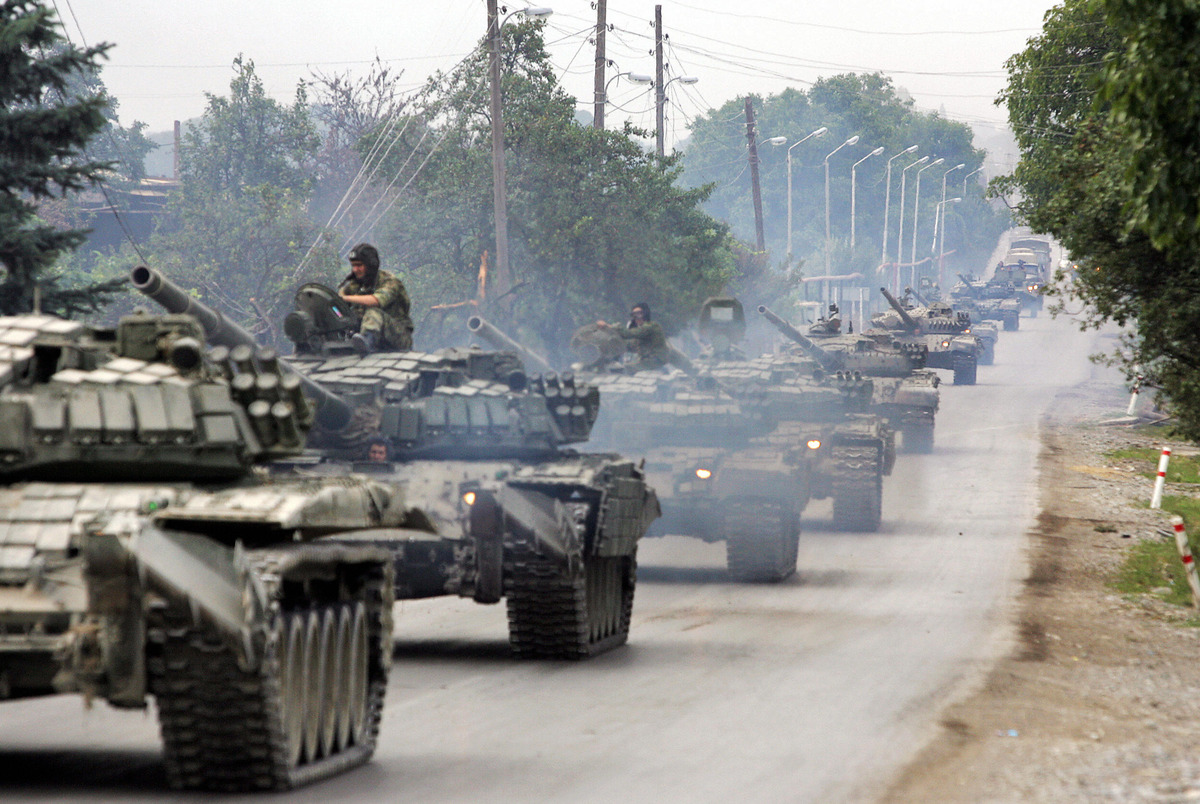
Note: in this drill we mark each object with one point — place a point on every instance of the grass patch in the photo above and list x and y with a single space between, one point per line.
1155 566
1181 469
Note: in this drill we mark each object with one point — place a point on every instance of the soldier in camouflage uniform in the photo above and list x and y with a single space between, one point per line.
643 337
380 302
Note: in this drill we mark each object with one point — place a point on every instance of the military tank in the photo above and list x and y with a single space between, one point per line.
905 392
512 515
851 448
143 554
987 301
1022 269
944 332
717 475
982 327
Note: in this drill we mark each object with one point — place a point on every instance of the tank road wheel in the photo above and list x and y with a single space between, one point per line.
917 438
857 489
292 685
557 614
761 543
307 708
964 369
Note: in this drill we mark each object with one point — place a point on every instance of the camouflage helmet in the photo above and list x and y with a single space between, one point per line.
367 254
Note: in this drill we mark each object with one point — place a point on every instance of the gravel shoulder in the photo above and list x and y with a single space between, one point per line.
1096 700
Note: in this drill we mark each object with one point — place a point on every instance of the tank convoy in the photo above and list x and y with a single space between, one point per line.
987 301
945 333
510 513
905 392
144 554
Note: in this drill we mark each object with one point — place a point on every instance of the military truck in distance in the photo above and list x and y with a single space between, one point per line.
478 444
944 332
143 555
905 392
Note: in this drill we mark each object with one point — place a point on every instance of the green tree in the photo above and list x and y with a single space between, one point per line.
239 221
848 105
44 130
1078 136
596 223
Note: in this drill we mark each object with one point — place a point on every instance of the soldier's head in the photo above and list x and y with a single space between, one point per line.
364 262
377 451
639 315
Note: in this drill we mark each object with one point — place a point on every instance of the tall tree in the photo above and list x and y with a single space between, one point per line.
1084 111
44 129
240 221
596 223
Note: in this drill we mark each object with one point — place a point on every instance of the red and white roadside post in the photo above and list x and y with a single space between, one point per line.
1160 481
1185 553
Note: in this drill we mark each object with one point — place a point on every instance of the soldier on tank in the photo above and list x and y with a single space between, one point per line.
645 338
380 303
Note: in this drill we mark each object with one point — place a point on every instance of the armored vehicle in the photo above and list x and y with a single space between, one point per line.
851 449
1021 269
480 444
706 455
944 332
905 392
987 301
143 555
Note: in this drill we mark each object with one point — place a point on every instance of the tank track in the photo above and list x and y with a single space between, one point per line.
964 369
227 729
557 614
762 541
857 488
1012 322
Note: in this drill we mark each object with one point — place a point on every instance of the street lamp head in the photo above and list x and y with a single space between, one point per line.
822 130
688 79
937 161
959 166
640 78
910 149
877 151
536 11
953 200
920 161
852 140
776 140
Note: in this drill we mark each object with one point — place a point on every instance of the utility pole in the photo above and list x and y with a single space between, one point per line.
601 63
499 193
660 91
752 147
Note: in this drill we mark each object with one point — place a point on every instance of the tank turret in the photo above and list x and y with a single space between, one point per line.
910 324
332 412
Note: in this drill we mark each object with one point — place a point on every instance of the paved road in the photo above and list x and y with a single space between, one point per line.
818 689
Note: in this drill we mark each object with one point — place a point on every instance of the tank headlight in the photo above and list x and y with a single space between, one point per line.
469 498
704 474
945 343
814 443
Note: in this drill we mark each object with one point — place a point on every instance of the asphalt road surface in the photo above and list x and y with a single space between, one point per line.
818 689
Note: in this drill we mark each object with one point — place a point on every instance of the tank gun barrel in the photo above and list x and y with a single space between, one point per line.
918 296
966 280
909 322
332 412
819 354
484 329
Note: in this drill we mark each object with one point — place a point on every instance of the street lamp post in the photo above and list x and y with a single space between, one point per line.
808 136
660 102
887 198
499 192
900 234
636 78
969 175
850 141
937 216
916 213
854 189
942 242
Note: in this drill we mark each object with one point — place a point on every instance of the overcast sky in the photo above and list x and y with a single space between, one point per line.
947 54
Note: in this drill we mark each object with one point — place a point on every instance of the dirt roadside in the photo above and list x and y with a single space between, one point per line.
1097 701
